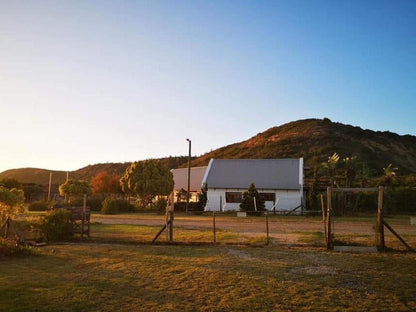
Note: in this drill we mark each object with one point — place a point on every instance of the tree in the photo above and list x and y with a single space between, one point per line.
32 191
10 183
313 192
331 165
11 202
388 180
389 176
147 179
251 195
202 199
181 195
75 189
104 183
350 166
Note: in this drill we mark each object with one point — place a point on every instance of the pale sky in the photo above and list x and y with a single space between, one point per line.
86 82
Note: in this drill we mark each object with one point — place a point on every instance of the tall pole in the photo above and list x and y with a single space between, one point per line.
189 177
49 187
67 178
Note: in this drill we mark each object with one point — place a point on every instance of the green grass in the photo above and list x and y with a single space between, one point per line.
109 277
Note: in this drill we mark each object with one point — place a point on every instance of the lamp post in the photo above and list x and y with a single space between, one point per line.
189 176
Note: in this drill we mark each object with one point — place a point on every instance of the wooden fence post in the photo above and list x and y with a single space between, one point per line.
214 228
328 217
84 208
323 214
267 228
171 226
380 243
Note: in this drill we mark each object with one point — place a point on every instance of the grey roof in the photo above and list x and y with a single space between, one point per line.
264 173
180 177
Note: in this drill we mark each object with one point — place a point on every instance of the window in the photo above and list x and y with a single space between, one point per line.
269 196
233 197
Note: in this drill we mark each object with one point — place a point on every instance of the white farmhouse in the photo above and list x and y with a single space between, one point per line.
280 181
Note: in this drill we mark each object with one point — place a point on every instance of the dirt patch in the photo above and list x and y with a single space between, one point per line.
315 270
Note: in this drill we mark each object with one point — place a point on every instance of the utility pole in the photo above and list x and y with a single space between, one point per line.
49 187
189 176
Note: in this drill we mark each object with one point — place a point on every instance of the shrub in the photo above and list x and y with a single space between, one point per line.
95 202
112 206
56 226
193 206
159 205
247 203
10 247
38 206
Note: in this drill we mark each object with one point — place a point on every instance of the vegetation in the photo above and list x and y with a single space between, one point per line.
75 189
111 206
41 176
9 248
39 206
106 184
159 205
56 226
33 192
11 203
252 200
147 180
90 277
315 139
10 183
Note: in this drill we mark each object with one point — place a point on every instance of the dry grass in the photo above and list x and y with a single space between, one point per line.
109 277
116 269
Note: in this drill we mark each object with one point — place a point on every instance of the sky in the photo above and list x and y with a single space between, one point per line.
86 82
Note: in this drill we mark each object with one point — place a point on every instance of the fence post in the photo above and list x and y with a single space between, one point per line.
380 243
170 226
267 228
323 214
84 208
328 217
214 227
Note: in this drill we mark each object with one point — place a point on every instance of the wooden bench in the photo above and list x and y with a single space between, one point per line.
80 219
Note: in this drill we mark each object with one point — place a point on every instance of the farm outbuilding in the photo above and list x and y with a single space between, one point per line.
180 178
280 181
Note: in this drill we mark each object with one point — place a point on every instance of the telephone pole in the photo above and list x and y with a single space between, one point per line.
189 176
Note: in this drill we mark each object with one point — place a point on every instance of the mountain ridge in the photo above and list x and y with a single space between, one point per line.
313 139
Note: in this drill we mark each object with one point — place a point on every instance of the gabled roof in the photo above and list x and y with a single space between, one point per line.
264 173
180 177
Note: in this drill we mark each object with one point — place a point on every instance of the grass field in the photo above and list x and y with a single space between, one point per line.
115 277
117 269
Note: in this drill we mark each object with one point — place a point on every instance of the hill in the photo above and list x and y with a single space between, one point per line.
313 139
316 139
41 176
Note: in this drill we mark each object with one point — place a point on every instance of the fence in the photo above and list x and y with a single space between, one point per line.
227 228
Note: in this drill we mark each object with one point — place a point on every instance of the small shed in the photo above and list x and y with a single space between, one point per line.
180 178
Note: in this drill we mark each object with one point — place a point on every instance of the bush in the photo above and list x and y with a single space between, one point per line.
10 247
38 206
159 205
95 202
193 206
112 206
56 226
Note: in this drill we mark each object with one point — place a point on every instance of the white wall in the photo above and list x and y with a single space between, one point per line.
288 199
